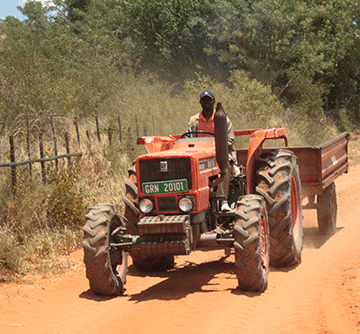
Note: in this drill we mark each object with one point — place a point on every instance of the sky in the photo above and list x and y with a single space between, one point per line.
8 8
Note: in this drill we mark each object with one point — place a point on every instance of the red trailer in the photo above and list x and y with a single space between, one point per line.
319 167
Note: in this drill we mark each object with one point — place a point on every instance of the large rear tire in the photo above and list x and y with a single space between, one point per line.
251 243
327 210
132 215
106 268
278 181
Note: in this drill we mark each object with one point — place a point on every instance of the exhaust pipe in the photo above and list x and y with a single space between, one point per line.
221 138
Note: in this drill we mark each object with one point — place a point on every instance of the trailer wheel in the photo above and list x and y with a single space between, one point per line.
106 268
327 210
132 215
278 181
251 243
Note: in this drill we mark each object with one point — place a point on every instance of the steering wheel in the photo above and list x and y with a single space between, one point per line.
189 133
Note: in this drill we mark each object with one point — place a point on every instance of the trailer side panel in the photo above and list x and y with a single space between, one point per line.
319 165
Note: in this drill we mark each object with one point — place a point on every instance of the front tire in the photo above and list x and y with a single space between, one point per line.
106 268
278 181
251 243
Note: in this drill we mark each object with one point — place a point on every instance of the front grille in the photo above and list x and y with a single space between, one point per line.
167 204
178 168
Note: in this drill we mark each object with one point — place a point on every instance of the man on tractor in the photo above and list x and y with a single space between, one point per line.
204 121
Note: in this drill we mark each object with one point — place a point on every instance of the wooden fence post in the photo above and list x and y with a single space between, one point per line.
12 159
41 146
98 128
137 127
54 140
120 133
129 136
67 145
110 136
28 144
89 138
77 130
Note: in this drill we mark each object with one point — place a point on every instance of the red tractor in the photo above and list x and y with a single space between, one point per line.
171 209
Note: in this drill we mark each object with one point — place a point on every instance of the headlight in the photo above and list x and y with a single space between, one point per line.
146 205
186 204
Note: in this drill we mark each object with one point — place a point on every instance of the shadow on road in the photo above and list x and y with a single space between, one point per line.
180 282
88 294
190 277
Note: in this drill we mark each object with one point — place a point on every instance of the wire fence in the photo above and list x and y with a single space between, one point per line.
108 135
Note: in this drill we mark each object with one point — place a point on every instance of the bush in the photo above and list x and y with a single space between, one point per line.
65 204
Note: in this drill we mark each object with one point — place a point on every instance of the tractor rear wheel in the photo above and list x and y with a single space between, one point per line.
131 216
251 243
106 268
327 210
278 181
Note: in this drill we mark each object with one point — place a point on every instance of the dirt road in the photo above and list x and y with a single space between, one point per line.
321 295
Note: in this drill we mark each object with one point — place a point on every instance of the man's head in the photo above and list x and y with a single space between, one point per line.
207 100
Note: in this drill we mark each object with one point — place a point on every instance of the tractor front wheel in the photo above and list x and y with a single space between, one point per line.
251 243
106 268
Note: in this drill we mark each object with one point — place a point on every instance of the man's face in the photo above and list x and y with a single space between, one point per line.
207 103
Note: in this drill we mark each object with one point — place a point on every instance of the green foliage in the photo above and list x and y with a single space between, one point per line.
75 57
163 33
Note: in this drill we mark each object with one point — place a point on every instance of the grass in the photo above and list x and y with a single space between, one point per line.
41 222
39 253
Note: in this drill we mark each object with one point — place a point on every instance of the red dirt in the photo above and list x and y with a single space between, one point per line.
321 295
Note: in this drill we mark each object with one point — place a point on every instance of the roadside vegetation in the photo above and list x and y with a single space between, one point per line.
290 64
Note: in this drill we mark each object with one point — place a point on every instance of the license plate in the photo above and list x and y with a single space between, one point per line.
164 187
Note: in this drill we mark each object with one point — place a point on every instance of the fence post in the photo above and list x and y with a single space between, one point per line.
98 128
77 129
89 138
120 133
110 136
13 168
137 127
54 140
41 145
67 145
129 136
28 144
